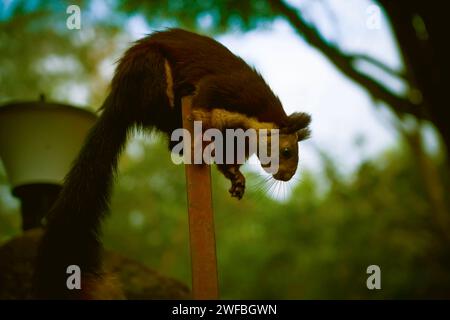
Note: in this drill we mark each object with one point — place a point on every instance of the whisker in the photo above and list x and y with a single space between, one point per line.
273 184
261 185
266 185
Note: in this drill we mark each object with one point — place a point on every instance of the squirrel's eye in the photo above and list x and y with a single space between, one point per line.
286 152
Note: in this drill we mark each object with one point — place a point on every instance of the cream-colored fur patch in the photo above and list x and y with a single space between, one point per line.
169 84
224 119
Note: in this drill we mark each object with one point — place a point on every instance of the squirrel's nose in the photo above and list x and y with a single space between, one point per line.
283 176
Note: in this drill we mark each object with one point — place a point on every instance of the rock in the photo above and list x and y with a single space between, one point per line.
138 281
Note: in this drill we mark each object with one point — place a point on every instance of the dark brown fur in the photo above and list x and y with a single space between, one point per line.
138 97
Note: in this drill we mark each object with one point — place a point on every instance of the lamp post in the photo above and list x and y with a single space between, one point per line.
38 142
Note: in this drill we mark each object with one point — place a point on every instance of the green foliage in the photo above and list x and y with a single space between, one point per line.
317 244
209 16
40 55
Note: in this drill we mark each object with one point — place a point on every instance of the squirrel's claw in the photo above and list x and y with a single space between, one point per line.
237 189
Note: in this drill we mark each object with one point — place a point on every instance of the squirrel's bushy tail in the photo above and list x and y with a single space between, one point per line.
74 222
72 233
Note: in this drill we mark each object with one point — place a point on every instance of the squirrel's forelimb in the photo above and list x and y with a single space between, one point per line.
232 173
222 119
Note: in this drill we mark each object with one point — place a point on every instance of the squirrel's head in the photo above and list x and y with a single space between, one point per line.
295 130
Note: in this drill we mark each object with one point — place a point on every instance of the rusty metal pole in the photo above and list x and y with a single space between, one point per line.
201 222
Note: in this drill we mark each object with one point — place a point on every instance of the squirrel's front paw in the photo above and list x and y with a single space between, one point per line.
237 188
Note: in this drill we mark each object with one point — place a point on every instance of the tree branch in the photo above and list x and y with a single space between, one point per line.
378 64
344 62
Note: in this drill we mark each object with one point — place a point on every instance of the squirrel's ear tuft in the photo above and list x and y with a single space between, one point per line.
303 134
297 122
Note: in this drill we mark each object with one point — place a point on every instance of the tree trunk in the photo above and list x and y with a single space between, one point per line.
421 30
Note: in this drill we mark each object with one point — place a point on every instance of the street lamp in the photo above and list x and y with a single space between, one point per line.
38 142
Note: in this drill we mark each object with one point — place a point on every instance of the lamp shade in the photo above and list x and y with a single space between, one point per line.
40 140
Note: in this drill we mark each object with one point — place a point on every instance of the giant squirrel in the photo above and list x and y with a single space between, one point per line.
146 91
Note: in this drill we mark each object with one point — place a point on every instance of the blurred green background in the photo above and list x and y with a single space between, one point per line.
312 241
